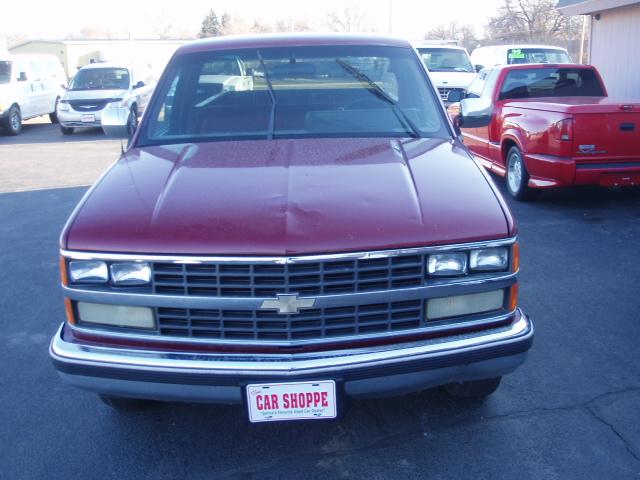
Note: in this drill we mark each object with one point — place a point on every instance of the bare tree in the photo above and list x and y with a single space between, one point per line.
465 35
351 19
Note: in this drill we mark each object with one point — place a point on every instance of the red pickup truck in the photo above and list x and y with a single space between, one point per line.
552 126
323 233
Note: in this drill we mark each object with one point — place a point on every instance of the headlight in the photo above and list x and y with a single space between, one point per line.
63 106
88 271
489 259
464 304
116 315
118 103
447 264
131 273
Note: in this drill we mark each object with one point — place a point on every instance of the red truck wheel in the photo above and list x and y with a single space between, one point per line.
517 177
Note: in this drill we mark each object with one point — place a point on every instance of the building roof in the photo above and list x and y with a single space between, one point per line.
586 7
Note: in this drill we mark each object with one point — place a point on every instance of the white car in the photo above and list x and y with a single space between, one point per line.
510 54
449 67
99 86
30 86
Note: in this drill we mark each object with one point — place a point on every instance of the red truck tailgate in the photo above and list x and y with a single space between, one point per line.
610 133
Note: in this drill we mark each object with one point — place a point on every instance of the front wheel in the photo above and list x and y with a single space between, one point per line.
13 123
53 117
473 389
66 130
518 177
132 121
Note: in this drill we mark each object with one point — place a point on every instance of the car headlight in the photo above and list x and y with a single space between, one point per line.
118 103
88 271
447 264
130 273
63 106
489 259
460 305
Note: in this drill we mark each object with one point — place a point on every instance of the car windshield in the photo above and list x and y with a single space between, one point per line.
446 60
551 82
537 55
328 91
101 79
5 72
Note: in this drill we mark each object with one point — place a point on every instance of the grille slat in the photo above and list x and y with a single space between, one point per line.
308 278
316 323
313 278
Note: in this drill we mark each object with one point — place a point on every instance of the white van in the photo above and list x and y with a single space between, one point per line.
449 67
509 54
30 86
105 85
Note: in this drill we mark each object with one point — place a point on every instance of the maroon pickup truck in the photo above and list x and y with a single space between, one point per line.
553 126
321 234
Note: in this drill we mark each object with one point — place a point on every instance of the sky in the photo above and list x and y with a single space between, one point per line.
49 19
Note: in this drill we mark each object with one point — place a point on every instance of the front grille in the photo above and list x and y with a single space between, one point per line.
324 277
444 92
319 323
89 105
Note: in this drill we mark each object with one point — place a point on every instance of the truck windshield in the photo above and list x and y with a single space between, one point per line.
328 91
101 79
551 82
537 55
446 60
5 72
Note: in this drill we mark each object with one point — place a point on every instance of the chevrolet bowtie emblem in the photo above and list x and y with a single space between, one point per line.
288 303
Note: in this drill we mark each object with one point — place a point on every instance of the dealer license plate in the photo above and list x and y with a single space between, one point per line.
272 402
88 118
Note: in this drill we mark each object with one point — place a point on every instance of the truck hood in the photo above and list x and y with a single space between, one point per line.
281 197
452 79
95 94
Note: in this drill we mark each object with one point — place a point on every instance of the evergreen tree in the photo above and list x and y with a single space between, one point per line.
210 26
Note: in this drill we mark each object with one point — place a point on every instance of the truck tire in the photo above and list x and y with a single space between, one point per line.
53 117
66 130
517 177
122 403
13 122
473 389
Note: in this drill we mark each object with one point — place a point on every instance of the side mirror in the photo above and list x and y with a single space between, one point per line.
479 67
22 77
63 86
115 123
140 84
455 95
476 112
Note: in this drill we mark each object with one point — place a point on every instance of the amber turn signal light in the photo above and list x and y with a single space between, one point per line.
64 275
515 253
513 298
68 307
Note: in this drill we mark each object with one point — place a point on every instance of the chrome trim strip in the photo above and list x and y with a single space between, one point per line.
474 321
196 259
322 301
281 365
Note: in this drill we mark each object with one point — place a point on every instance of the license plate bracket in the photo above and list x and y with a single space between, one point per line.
283 401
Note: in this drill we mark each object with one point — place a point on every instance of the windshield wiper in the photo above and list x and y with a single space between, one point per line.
379 92
272 116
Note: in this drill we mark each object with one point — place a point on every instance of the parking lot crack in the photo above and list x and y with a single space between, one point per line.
615 431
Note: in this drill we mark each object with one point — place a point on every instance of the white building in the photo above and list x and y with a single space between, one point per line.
74 54
614 41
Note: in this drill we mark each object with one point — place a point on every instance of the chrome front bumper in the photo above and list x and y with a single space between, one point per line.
364 372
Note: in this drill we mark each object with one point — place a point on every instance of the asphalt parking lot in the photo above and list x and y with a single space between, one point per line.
570 412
